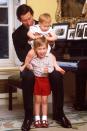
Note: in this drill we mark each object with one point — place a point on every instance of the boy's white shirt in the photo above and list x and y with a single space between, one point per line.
39 65
36 29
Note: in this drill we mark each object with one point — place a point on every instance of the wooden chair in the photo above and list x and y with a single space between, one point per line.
14 82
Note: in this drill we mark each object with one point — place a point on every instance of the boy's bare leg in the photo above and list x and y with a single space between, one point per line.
37 102
44 105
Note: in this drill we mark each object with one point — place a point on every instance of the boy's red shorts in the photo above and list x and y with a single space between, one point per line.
42 86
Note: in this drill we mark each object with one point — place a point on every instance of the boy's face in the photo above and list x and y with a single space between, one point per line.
27 19
41 51
45 26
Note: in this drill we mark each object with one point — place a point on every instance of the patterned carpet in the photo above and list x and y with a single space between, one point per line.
12 120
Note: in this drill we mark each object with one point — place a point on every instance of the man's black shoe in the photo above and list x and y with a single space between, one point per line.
26 125
64 122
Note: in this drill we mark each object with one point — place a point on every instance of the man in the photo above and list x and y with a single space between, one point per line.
20 41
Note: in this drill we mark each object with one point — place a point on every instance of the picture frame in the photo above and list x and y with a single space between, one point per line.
71 34
60 30
79 30
72 8
85 32
70 11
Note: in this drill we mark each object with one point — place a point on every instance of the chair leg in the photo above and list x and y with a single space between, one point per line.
10 97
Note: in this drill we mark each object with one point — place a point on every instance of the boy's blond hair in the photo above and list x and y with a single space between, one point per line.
40 42
45 17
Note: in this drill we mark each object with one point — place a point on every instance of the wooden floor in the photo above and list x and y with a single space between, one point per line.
18 111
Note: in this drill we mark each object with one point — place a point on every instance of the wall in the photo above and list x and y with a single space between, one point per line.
41 6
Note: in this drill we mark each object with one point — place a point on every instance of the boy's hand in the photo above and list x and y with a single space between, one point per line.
22 67
29 66
37 35
62 71
49 34
46 70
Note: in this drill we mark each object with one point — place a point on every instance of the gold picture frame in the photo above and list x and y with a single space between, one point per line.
71 19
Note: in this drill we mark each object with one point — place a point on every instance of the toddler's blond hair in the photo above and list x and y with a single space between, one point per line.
45 17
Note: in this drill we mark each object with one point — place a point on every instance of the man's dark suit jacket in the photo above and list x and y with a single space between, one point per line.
20 42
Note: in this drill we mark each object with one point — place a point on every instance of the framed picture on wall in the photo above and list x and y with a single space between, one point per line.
85 32
79 30
72 8
60 30
71 34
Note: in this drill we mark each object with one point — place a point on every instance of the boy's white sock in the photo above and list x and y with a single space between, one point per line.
44 117
37 118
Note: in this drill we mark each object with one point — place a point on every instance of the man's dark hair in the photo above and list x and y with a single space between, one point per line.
23 9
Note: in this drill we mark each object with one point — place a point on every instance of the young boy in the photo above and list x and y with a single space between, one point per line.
42 64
